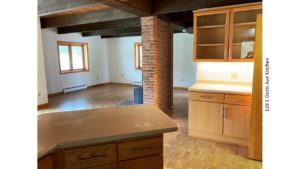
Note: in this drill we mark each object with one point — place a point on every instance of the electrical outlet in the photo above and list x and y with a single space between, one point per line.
39 93
234 76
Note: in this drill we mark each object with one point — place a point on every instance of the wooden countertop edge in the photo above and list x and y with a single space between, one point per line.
220 91
105 139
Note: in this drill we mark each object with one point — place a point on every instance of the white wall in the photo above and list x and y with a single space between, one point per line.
97 49
42 86
122 61
222 71
184 70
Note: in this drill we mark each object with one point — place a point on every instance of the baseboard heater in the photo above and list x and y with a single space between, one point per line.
74 88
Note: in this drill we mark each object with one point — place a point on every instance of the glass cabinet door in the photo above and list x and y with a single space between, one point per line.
242 33
211 35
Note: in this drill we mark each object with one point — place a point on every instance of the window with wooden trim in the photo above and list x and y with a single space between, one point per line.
138 55
73 57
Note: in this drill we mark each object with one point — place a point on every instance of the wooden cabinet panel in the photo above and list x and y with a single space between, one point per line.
207 97
255 135
90 156
238 99
153 162
236 121
109 166
140 148
206 116
46 163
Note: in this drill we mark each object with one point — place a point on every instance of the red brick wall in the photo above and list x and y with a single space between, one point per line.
157 42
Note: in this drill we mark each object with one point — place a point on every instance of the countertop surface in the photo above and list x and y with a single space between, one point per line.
84 127
223 88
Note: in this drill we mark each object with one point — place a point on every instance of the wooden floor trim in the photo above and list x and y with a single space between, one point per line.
113 83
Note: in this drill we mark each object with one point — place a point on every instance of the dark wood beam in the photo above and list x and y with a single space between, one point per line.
121 35
171 6
186 16
178 27
120 24
83 18
136 7
47 7
112 32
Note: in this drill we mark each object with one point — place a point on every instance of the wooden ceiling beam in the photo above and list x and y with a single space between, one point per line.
84 18
136 7
171 6
47 7
113 31
120 24
121 35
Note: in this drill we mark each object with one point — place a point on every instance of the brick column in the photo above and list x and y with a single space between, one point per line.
157 42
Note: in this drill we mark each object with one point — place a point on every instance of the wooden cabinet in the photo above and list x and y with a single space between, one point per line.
138 153
208 118
226 33
90 156
219 116
236 121
153 162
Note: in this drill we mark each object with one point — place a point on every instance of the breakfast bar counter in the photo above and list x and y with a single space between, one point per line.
103 138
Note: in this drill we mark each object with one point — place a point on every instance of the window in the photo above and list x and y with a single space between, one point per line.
138 55
73 57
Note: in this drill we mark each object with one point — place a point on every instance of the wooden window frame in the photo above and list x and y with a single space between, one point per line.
137 55
84 56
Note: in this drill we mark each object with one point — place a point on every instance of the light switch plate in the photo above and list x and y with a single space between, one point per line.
234 76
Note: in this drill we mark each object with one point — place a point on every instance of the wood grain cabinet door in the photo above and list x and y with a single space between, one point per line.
205 116
236 121
152 162
109 166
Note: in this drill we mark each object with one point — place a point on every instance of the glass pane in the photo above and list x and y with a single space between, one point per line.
64 57
141 56
210 52
243 50
77 57
211 35
243 33
209 20
246 16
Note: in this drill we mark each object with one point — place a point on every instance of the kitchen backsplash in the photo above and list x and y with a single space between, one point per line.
225 71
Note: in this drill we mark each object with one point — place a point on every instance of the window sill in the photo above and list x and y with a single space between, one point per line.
73 71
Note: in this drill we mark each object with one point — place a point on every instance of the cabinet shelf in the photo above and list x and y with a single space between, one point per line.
211 26
245 24
216 44
238 43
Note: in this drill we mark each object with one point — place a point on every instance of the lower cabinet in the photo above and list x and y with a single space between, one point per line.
207 117
109 166
138 153
237 121
153 162
220 117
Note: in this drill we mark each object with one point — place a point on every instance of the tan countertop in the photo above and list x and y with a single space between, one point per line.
222 88
84 127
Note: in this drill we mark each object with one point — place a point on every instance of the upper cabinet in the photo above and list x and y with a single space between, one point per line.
225 34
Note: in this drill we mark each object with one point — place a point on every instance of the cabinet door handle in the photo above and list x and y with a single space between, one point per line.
91 158
142 148
222 109
226 112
